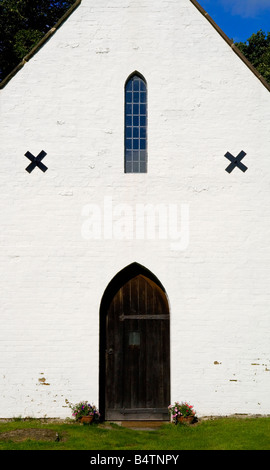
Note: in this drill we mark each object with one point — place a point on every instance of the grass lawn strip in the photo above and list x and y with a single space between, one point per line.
214 434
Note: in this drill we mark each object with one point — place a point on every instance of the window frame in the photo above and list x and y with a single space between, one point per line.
136 124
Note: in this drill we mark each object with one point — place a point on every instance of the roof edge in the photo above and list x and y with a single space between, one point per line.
231 44
38 46
59 23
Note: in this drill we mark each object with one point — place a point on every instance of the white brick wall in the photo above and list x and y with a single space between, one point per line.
202 102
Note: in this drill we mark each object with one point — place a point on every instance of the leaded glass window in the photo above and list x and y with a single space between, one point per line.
135 125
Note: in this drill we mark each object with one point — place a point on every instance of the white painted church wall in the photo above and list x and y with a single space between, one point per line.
69 101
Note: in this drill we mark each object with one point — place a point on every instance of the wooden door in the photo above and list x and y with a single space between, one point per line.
137 354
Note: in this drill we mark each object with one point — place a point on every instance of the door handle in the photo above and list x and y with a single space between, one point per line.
110 351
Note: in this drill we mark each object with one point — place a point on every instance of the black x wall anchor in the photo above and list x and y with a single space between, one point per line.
36 161
236 161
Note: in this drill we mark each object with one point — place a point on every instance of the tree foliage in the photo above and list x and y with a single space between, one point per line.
257 50
22 24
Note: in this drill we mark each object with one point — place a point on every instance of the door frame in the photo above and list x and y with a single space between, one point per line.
123 276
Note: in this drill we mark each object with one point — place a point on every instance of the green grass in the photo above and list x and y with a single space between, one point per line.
218 434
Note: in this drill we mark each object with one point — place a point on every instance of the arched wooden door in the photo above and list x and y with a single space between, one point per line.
137 352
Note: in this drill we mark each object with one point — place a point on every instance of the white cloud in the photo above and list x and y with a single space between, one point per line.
246 8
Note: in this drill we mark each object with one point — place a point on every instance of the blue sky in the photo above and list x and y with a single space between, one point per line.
239 19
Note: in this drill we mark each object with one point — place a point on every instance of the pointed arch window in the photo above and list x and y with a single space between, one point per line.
136 124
